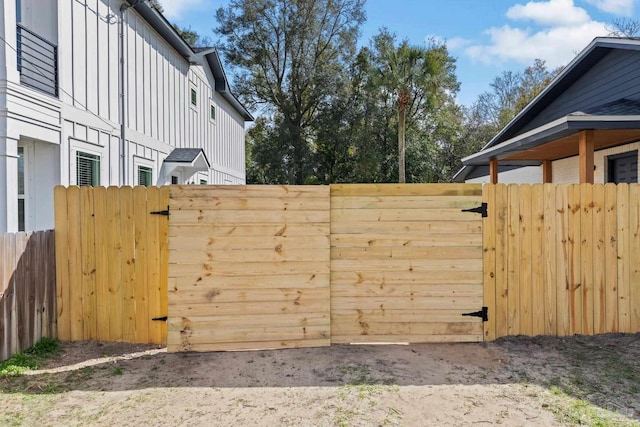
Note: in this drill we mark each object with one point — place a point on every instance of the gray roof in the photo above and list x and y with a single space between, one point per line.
621 107
185 155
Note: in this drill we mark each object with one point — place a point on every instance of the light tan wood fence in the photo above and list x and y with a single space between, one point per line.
249 267
406 263
111 257
27 290
562 259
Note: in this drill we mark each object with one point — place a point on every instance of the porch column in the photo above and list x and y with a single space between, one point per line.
493 170
547 175
585 148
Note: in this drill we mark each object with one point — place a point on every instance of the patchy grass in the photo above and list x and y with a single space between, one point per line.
30 359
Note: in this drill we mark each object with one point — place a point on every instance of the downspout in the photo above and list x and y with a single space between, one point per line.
122 95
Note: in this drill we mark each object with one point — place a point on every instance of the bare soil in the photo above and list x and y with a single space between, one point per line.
519 381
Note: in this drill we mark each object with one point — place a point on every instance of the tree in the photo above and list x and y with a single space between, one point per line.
156 5
421 78
624 27
291 56
192 37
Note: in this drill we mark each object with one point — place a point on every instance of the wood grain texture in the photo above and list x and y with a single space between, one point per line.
111 250
27 290
405 249
254 259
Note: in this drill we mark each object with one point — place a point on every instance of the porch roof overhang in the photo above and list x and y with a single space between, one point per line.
559 139
187 160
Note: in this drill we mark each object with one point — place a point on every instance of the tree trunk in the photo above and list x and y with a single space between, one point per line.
401 122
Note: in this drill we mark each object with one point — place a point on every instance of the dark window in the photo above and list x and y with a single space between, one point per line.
213 112
194 97
623 168
174 179
21 215
87 169
145 176
203 182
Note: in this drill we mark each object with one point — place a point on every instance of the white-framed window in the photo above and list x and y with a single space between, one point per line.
87 169
203 182
21 190
212 112
145 176
143 168
193 97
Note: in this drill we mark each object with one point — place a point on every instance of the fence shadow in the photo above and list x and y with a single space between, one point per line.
599 369
27 290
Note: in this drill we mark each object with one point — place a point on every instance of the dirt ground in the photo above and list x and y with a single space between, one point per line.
518 381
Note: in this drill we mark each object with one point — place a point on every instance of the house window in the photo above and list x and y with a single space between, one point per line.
145 176
623 168
174 179
194 97
87 169
21 214
213 112
203 182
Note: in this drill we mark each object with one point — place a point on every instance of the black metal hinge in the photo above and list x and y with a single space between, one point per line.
160 319
482 209
165 212
483 314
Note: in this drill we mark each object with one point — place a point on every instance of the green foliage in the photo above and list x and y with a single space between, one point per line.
192 37
291 58
30 358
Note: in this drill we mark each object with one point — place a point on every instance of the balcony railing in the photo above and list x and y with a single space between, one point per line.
37 61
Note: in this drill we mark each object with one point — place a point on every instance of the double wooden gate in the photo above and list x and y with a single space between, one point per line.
282 266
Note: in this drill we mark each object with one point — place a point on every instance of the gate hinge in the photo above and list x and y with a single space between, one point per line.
482 209
160 319
483 314
165 212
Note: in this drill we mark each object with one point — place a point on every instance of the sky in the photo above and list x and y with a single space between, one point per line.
485 36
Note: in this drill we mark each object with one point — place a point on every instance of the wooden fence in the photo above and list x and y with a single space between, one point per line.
406 263
111 257
288 266
562 259
27 290
249 267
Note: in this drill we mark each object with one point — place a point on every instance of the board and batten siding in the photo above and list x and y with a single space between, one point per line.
158 83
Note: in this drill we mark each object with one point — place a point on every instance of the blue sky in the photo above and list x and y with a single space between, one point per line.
486 36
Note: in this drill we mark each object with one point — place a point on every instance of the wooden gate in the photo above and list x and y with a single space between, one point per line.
248 267
406 263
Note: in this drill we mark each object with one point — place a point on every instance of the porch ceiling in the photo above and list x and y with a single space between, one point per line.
568 146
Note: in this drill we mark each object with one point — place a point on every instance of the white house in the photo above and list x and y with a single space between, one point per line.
105 92
584 127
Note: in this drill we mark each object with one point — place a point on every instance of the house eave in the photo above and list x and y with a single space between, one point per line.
562 127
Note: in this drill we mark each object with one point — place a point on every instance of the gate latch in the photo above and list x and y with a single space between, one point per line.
165 212
482 209
160 319
483 314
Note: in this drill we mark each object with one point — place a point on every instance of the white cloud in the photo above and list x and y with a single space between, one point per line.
552 12
557 45
457 43
174 9
560 29
616 7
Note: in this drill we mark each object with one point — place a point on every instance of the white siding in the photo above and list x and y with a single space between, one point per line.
568 170
524 175
158 116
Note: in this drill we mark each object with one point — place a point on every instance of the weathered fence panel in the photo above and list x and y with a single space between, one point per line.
111 255
562 259
248 267
27 290
406 263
